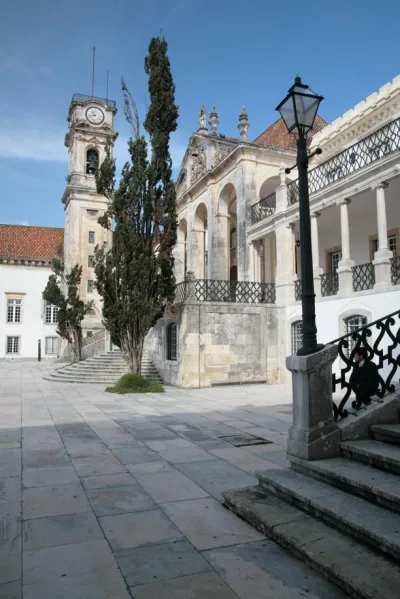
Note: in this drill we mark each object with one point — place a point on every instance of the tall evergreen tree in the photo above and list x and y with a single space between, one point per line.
62 290
135 276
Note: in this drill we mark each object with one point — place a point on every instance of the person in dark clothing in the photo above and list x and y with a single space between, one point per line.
364 379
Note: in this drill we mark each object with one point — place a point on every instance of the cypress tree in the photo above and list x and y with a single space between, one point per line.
135 276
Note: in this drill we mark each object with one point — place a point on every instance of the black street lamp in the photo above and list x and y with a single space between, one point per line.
298 110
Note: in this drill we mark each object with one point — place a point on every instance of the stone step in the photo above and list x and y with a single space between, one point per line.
108 368
377 454
379 486
94 381
389 433
358 570
365 521
96 376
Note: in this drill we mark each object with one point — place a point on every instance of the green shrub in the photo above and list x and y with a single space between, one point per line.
132 383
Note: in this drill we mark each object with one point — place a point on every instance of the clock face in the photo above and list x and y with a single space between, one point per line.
95 115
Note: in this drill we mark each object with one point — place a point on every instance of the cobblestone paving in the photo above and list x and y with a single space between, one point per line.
111 497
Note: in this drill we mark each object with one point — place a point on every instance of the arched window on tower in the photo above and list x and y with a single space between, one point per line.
92 160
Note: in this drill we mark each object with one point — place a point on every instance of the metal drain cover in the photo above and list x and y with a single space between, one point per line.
243 440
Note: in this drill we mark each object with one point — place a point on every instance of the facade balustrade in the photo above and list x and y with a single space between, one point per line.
363 277
241 292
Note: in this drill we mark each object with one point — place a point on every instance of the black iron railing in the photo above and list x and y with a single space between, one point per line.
329 283
382 342
298 290
263 208
241 292
180 292
104 101
383 142
395 270
363 276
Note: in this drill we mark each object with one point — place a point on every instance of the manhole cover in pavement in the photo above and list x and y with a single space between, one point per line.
243 440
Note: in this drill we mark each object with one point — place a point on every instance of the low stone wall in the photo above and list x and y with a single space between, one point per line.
155 346
219 342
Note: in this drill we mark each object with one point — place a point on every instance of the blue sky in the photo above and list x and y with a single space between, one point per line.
224 52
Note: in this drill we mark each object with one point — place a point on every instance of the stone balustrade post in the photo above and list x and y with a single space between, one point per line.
314 434
190 281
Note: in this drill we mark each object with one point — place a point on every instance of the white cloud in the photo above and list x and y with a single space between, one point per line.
23 222
47 144
32 144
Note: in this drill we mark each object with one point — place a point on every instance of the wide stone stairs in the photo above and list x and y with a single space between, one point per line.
341 515
103 368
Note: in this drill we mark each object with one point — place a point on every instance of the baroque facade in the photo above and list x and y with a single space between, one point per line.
238 310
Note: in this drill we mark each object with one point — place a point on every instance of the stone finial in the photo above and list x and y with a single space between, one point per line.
213 122
243 124
202 119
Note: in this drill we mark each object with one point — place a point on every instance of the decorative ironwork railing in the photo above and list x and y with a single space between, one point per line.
180 292
382 342
298 290
241 292
263 208
395 270
84 98
363 276
383 142
329 283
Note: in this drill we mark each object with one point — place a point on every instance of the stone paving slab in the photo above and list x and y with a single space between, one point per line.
141 515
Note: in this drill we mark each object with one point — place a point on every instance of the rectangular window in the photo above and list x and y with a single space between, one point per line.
51 314
14 310
91 237
335 258
392 245
90 286
171 341
51 345
12 345
90 261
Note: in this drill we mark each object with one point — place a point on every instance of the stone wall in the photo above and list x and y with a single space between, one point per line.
155 346
219 343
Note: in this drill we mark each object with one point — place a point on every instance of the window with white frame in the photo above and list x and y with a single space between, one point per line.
335 258
171 342
51 345
12 345
353 324
297 335
51 314
14 307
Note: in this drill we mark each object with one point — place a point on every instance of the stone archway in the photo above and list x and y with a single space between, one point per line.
199 241
225 236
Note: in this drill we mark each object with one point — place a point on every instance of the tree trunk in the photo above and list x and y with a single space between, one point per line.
132 351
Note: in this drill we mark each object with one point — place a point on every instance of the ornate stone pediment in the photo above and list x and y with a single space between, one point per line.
199 165
221 152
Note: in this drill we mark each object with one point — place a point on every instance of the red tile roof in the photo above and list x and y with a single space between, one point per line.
277 135
18 241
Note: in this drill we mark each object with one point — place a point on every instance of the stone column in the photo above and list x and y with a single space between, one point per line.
198 253
345 265
241 220
383 255
315 252
281 193
314 434
285 275
179 257
252 261
220 245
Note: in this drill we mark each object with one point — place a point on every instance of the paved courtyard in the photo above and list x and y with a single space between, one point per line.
111 497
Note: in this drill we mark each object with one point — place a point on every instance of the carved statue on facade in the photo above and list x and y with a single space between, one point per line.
202 118
221 152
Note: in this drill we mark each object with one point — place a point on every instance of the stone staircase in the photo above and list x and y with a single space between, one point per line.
103 368
341 515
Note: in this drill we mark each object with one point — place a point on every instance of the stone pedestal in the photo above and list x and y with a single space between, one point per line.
314 434
345 276
382 264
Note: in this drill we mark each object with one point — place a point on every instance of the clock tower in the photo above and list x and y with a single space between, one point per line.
91 124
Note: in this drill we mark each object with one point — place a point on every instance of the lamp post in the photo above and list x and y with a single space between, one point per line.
298 111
